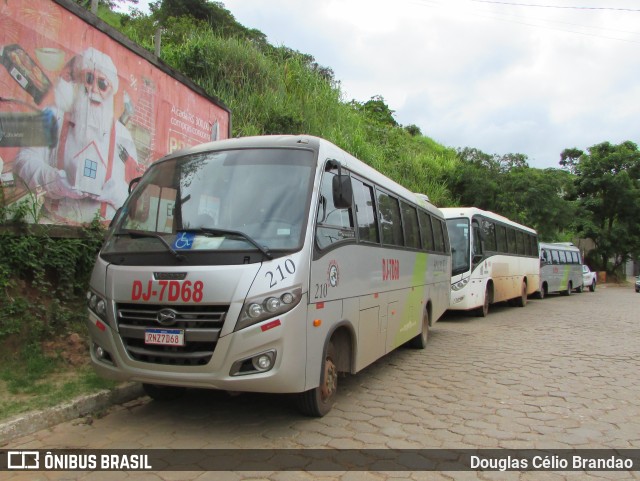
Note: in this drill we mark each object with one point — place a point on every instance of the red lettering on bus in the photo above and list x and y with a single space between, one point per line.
390 269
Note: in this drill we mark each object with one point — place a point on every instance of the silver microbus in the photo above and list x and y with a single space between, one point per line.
265 264
560 269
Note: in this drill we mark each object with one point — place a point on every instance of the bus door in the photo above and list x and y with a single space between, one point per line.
372 329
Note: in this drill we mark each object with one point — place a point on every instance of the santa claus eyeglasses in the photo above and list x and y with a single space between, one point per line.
90 78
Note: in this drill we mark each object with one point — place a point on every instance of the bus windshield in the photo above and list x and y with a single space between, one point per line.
459 240
249 199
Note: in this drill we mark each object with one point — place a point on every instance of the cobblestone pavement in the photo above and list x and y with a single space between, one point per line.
561 373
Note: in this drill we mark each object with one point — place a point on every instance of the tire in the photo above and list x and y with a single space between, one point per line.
568 291
163 393
483 311
318 401
420 341
542 293
592 287
522 300
579 289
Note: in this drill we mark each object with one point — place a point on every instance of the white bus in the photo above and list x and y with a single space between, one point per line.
493 259
560 269
265 264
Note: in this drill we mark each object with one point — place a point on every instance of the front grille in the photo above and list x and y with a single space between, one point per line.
201 325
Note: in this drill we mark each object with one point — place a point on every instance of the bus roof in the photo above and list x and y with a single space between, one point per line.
470 212
570 246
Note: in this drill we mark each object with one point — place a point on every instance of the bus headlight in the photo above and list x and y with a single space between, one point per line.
255 311
460 284
258 309
272 304
97 305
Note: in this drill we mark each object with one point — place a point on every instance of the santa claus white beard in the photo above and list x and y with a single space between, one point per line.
92 120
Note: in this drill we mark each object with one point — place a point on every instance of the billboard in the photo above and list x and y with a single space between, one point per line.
83 111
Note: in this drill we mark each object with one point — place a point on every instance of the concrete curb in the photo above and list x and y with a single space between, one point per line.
29 423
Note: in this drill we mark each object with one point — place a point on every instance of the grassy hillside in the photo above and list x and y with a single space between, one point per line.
275 90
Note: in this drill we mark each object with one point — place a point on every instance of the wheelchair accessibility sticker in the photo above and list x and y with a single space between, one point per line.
184 241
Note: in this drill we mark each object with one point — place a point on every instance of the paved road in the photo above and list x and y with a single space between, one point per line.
561 373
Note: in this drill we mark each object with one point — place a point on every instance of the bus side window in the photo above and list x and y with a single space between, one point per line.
438 235
547 257
333 225
563 258
502 239
477 240
426 230
555 257
390 220
489 235
511 240
410 223
365 212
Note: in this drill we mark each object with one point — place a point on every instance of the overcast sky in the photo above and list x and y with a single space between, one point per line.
504 77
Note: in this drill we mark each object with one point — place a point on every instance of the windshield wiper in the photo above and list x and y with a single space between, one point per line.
152 235
247 237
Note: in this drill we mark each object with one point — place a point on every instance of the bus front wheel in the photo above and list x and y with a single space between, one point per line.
483 310
318 401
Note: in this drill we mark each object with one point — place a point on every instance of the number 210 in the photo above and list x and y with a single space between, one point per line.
289 268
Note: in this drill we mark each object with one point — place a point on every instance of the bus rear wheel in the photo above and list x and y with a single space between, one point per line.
318 401
420 341
522 300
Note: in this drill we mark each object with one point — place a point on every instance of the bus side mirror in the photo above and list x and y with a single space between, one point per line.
342 190
133 183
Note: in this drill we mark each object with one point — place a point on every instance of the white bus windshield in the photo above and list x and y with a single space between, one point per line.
459 240
218 201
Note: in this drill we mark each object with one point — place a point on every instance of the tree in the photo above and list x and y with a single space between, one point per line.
215 14
508 186
607 186
377 110
413 130
534 197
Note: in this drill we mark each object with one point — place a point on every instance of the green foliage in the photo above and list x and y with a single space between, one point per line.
43 279
508 186
377 111
607 187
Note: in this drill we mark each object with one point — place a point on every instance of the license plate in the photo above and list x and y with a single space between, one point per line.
164 337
